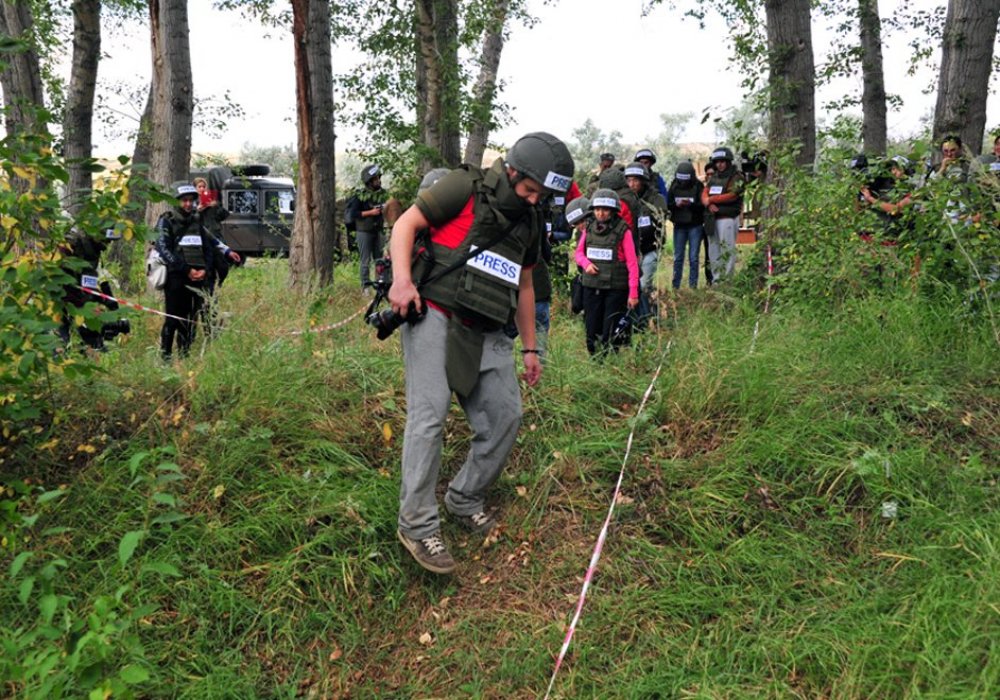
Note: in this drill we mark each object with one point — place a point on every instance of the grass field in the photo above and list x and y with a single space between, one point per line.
811 512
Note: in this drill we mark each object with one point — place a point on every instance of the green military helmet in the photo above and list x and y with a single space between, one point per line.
545 159
606 198
368 172
637 169
722 153
576 210
612 179
645 153
183 190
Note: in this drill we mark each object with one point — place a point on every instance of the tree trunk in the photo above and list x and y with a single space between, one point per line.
77 125
21 78
873 91
438 95
791 77
486 85
970 30
313 233
123 251
173 101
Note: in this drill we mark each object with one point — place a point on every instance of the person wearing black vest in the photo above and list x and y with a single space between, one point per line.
364 209
458 287
83 256
650 216
606 253
688 215
723 199
188 251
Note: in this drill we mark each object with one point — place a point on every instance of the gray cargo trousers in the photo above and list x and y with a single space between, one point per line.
493 410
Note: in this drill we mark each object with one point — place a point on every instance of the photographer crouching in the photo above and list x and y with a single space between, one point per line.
474 277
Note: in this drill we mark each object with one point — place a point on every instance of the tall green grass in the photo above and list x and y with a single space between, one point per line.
749 558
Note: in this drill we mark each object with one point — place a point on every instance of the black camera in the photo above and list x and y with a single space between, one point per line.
115 328
387 321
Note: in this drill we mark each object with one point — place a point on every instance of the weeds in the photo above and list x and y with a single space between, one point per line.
751 557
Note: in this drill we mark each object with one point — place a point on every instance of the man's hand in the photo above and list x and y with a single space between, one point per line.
632 303
234 256
591 269
196 275
402 293
532 368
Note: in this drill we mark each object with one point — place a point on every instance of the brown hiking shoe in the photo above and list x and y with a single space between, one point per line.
480 523
430 552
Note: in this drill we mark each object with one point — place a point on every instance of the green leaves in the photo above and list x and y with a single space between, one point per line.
128 544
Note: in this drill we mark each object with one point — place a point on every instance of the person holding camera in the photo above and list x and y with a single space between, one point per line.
83 256
457 287
188 251
365 211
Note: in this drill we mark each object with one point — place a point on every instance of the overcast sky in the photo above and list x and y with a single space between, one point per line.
584 59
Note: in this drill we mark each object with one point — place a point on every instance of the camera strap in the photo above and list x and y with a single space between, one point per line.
468 256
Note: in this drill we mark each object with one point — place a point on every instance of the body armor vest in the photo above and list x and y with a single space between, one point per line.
602 250
485 288
648 220
684 216
729 210
186 231
368 199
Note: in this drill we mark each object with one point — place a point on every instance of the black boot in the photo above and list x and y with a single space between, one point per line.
166 342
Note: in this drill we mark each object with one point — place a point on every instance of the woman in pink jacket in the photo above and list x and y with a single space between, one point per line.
606 254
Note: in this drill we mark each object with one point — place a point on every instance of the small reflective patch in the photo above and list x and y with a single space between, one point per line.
683 200
609 202
574 216
559 201
555 181
112 234
644 221
548 226
715 189
190 240
635 172
995 166
683 177
89 281
600 253
497 266
719 155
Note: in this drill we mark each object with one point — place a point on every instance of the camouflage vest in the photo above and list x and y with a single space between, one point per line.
602 250
485 288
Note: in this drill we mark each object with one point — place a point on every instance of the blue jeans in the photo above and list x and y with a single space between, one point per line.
689 236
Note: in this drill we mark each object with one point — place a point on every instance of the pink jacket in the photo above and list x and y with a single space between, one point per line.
626 251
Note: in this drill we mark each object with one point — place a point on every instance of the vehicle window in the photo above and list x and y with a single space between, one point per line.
278 201
242 201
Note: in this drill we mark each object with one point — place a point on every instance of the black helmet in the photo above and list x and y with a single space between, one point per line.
637 170
607 156
543 158
722 153
645 153
685 171
185 189
370 171
577 209
606 198
859 162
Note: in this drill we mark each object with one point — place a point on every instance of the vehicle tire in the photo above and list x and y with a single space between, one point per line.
256 170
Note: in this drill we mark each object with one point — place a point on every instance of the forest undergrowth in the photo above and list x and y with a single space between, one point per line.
810 510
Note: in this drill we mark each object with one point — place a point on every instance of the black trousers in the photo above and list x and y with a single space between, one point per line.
183 299
602 310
